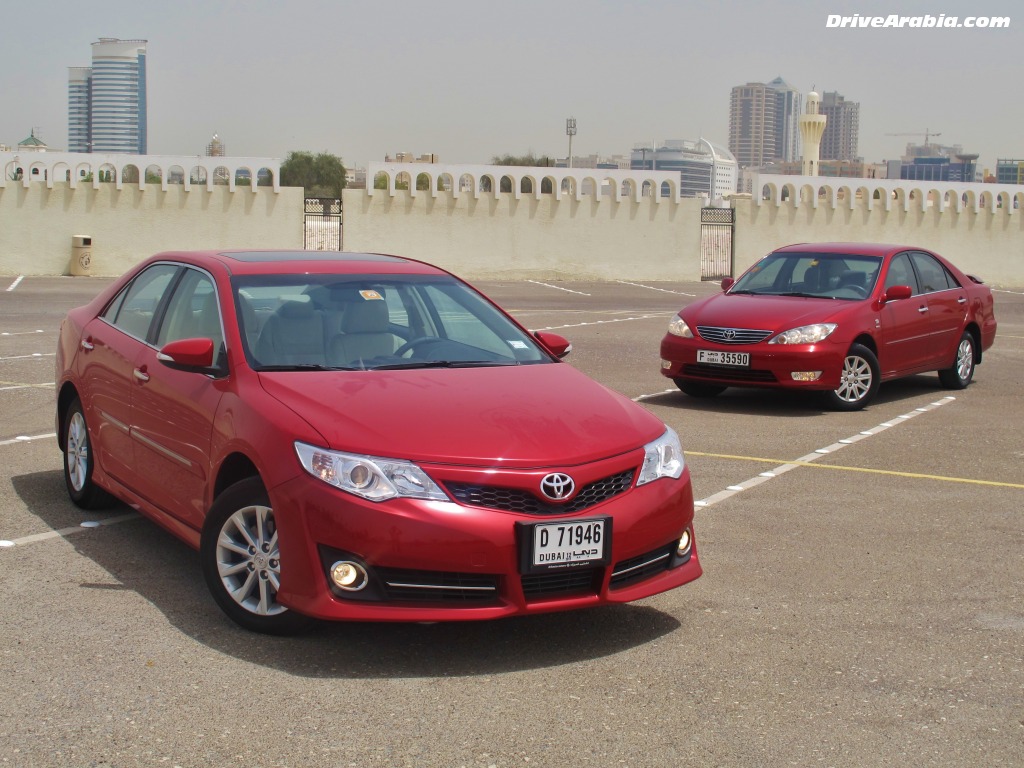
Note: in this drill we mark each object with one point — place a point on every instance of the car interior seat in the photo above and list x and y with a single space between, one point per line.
293 335
364 333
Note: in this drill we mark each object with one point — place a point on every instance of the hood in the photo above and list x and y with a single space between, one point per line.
769 313
527 416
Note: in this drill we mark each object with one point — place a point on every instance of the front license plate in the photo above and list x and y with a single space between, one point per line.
734 359
568 544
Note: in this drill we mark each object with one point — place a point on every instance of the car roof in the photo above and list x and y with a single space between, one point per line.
275 262
865 249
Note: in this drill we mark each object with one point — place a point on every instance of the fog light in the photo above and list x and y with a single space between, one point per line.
348 575
666 364
805 375
683 547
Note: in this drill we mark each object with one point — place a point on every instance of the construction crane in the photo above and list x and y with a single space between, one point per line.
927 134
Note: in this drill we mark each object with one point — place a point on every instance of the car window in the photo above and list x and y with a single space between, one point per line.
901 272
825 275
136 305
193 312
373 321
932 275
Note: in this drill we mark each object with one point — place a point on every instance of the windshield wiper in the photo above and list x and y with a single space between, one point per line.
744 292
804 295
443 364
302 367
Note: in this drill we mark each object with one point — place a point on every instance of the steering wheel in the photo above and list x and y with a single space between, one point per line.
412 344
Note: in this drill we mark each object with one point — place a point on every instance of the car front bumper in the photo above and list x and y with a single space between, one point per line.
446 561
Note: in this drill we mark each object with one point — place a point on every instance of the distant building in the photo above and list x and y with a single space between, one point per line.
788 108
408 157
1010 171
764 123
33 144
840 140
752 136
107 101
940 169
704 168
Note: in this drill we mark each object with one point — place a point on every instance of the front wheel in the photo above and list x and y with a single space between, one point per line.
858 382
242 563
959 375
79 461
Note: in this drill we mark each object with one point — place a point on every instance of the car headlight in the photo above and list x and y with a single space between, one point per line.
662 458
370 477
678 327
805 334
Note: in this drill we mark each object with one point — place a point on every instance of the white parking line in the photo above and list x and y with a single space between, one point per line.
27 438
39 355
22 333
63 532
599 322
16 283
557 287
655 288
764 477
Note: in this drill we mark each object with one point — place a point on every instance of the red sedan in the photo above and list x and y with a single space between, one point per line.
365 437
834 317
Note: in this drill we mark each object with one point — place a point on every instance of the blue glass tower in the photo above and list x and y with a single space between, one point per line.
107 101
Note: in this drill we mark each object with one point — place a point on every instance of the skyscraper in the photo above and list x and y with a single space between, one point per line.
752 124
764 123
788 109
107 101
841 132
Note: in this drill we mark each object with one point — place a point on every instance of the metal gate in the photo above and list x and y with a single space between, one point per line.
716 228
322 224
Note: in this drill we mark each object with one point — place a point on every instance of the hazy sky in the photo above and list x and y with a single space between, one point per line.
470 79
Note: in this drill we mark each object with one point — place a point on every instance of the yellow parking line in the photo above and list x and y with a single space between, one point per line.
917 475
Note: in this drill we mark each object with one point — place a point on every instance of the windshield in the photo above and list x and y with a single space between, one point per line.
816 275
366 322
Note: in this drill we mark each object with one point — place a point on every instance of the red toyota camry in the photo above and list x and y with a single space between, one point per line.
365 437
834 317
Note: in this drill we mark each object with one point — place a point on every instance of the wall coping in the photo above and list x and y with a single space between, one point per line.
51 164
900 193
632 181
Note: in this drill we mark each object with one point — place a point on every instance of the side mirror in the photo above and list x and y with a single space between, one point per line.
727 283
897 292
194 355
559 346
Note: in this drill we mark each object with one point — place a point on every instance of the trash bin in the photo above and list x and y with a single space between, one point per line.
81 255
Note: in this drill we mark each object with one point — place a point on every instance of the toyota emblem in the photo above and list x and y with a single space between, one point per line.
557 486
730 334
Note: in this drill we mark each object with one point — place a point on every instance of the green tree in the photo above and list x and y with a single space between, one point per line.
321 175
527 159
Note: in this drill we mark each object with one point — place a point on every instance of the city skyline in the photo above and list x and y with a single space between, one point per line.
468 81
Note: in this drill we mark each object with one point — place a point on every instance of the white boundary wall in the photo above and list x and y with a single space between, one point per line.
594 224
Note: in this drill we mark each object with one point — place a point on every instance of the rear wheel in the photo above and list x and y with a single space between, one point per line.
858 382
959 375
242 563
79 461
699 389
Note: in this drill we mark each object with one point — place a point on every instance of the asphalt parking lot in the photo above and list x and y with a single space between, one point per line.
862 602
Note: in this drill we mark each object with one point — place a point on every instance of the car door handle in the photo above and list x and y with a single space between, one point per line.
87 345
961 300
140 374
923 309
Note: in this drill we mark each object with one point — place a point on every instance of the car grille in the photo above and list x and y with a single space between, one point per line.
579 581
731 335
438 586
720 373
642 567
524 502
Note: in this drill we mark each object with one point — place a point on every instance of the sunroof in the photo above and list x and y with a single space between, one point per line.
267 256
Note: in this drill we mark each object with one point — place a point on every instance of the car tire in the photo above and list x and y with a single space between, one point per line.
79 461
859 380
699 389
241 562
960 373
